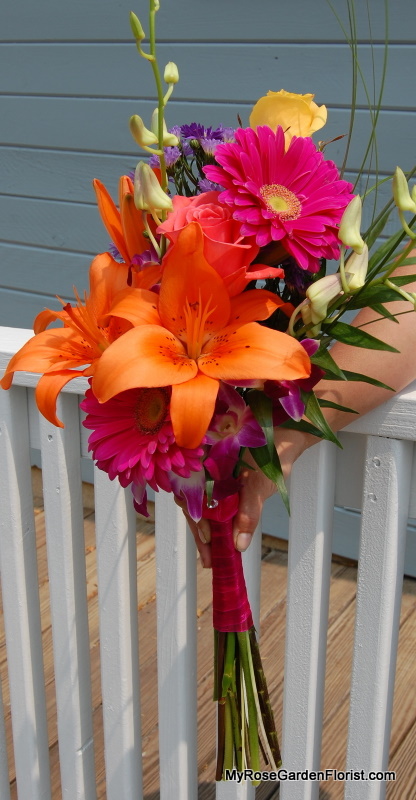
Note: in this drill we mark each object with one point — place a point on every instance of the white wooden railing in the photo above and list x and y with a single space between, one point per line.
387 502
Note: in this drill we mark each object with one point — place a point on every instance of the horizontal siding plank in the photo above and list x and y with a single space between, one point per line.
59 175
100 125
46 223
37 270
53 175
19 309
208 70
239 19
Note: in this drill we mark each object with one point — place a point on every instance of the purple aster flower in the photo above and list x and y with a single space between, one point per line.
145 259
172 155
209 146
197 131
233 426
204 185
114 251
228 135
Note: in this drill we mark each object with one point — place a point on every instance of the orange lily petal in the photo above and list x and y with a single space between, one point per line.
107 278
145 356
189 281
254 352
125 186
191 408
139 306
45 317
47 391
132 224
110 216
147 277
253 305
58 347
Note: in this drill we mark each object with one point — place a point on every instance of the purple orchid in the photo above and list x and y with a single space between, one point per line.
286 395
233 426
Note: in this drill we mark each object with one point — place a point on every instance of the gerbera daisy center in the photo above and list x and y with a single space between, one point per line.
281 201
151 409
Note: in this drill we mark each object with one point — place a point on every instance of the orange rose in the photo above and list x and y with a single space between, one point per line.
297 114
225 248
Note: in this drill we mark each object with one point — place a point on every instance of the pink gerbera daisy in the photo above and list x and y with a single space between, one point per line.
294 197
132 439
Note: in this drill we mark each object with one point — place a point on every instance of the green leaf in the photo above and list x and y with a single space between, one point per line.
357 376
330 404
314 413
384 252
370 295
209 488
266 457
401 280
377 229
324 360
383 312
303 425
358 338
269 464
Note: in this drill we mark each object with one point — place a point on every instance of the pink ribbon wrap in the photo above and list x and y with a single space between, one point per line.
230 605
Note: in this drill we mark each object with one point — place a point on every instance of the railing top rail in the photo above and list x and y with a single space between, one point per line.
396 418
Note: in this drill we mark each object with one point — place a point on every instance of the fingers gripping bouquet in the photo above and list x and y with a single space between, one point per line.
191 363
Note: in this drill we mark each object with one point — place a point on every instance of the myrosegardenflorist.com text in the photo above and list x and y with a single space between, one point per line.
308 775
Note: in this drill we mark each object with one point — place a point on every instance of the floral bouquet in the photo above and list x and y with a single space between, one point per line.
208 322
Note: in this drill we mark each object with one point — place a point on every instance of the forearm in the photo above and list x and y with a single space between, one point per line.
394 369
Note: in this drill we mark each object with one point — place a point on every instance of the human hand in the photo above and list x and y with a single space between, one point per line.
255 489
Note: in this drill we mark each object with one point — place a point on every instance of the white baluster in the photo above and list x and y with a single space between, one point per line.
380 578
67 585
309 570
117 594
176 651
19 577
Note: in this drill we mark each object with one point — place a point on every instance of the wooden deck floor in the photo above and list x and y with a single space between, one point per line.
274 574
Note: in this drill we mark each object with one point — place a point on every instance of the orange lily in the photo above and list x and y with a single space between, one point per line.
200 336
125 226
60 353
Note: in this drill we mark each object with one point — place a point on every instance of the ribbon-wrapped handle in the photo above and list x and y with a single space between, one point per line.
231 608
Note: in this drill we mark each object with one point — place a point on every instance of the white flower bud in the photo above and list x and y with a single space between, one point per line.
140 133
349 229
171 74
356 269
136 27
401 194
148 193
320 294
169 139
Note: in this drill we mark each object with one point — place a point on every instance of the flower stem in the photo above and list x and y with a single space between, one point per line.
160 96
253 738
229 744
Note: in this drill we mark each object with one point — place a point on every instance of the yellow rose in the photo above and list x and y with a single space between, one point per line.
297 114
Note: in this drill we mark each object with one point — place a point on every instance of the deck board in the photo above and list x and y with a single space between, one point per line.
273 611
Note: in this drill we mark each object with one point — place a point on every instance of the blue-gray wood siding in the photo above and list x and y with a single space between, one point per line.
70 78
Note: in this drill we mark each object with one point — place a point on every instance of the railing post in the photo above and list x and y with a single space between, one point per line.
68 598
309 571
380 579
176 651
119 648
19 575
4 767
